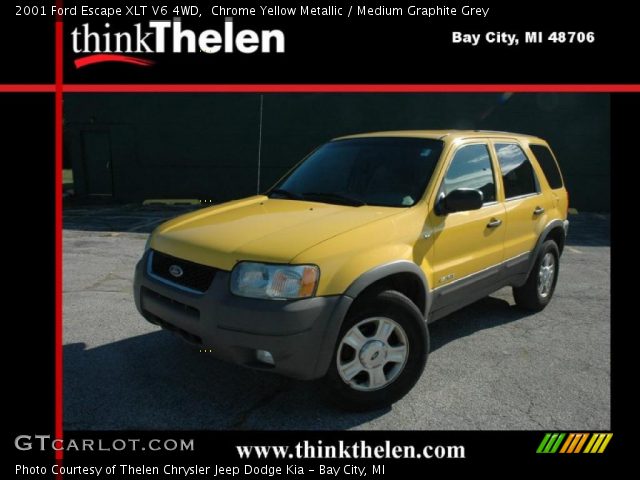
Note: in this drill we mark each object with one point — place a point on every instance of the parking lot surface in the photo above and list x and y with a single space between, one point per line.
491 365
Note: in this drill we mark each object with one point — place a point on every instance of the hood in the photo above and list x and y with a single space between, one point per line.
259 228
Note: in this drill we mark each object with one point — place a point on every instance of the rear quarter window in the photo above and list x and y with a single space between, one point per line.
548 165
518 176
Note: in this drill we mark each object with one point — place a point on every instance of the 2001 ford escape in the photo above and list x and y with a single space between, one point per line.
337 270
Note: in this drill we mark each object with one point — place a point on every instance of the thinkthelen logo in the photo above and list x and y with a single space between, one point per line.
167 36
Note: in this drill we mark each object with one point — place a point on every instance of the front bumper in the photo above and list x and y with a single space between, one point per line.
300 334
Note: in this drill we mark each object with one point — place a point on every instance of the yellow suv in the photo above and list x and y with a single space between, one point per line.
337 270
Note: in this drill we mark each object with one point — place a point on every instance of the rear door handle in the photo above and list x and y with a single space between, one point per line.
538 211
494 223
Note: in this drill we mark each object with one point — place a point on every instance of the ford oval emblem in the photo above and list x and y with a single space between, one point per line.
176 271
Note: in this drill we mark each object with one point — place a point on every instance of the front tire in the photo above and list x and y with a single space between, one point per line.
380 353
536 293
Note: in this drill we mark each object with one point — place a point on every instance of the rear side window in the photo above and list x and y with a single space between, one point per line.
548 165
518 176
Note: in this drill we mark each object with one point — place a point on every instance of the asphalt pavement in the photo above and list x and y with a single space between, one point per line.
491 365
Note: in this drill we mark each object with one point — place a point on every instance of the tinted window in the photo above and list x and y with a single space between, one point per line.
517 173
377 171
471 168
548 165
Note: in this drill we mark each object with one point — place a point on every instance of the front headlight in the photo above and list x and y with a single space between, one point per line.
263 280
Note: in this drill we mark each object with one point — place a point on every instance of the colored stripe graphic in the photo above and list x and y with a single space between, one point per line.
606 442
554 449
598 443
574 443
580 445
550 443
591 442
543 443
567 443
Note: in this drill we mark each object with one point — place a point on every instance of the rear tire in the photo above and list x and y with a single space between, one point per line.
536 293
380 353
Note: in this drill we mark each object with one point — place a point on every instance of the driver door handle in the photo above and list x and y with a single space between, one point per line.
538 211
494 223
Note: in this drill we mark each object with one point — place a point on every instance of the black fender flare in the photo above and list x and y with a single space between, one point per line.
365 280
563 224
382 271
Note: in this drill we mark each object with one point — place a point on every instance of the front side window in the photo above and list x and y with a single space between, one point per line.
471 168
518 176
384 171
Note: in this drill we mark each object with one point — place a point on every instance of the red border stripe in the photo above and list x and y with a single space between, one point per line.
35 88
58 235
320 88
355 88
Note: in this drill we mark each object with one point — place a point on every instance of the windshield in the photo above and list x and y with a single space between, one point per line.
385 171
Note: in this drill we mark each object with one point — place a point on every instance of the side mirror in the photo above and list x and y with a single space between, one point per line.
460 200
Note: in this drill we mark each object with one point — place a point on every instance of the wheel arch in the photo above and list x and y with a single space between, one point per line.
556 231
402 275
557 234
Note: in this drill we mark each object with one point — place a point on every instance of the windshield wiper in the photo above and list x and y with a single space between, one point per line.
285 194
344 199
